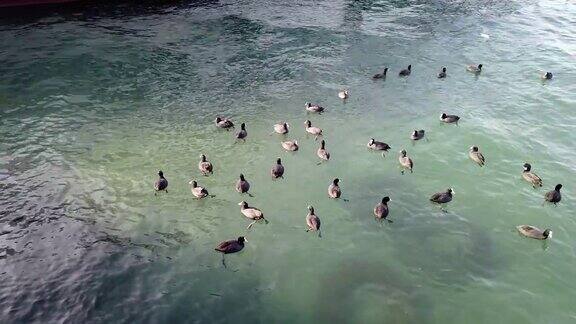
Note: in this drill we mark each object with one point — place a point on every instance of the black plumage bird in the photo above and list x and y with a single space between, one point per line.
381 210
242 134
380 75
277 170
442 73
449 119
231 246
161 184
417 134
554 196
242 185
442 197
406 72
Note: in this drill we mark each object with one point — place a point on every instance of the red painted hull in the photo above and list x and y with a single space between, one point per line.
19 3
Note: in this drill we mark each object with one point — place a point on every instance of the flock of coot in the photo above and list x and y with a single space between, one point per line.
381 210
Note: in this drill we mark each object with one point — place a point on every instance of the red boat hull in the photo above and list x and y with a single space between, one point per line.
19 3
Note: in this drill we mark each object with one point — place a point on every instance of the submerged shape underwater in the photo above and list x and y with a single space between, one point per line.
94 103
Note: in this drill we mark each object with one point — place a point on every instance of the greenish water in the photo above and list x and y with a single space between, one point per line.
92 105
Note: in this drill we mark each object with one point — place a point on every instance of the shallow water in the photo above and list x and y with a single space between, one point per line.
93 104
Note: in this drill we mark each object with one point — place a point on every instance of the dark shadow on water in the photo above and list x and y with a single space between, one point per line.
343 290
448 261
90 9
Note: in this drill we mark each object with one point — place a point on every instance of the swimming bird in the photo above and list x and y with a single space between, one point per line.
161 184
442 197
449 119
334 189
474 68
242 134
204 166
252 213
554 196
281 128
417 135
312 129
405 161
314 108
534 232
313 221
378 146
242 186
530 176
231 246
442 73
476 156
277 170
224 123
290 145
406 72
322 153
547 76
381 210
343 94
197 191
380 75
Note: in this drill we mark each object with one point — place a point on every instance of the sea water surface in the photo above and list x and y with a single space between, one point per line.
94 101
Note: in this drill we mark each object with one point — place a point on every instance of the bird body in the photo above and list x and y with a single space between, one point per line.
474 68
449 119
406 72
312 221
197 191
277 170
322 153
534 232
547 76
378 146
554 196
530 176
476 156
442 197
381 210
242 134
442 73
405 161
242 186
334 189
343 94
161 184
314 108
204 166
417 135
380 75
281 128
250 212
312 129
231 246
290 145
224 123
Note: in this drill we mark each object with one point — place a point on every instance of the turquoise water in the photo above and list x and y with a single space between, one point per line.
94 102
